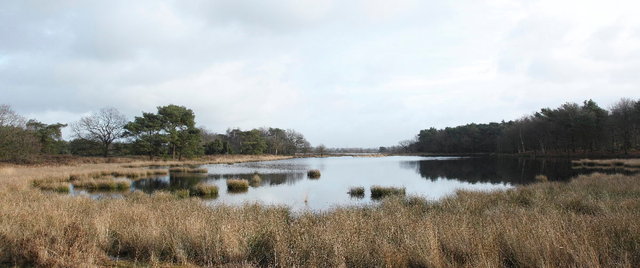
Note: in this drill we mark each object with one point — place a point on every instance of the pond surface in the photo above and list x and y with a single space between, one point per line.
285 182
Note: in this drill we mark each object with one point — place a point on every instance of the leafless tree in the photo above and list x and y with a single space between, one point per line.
8 117
105 126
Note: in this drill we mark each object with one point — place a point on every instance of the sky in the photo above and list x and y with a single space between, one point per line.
359 73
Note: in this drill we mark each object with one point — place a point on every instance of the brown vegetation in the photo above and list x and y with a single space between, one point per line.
592 221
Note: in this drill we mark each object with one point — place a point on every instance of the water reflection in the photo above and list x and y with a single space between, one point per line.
496 169
285 182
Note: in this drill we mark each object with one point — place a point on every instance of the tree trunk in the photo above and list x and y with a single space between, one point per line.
106 149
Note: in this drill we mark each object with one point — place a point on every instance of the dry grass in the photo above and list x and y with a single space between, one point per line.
592 221
313 174
237 185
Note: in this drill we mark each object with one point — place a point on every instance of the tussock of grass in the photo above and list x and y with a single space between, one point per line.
378 192
237 185
313 174
204 190
188 170
356 192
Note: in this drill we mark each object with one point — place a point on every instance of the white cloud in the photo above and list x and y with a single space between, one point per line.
356 73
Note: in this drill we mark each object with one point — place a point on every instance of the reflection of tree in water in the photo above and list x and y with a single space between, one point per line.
170 183
267 179
494 170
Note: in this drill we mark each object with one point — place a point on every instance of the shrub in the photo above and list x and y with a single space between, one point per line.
356 192
313 174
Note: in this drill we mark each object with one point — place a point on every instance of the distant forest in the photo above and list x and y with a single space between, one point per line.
569 129
168 133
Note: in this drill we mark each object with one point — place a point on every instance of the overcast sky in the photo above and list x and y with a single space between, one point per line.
361 73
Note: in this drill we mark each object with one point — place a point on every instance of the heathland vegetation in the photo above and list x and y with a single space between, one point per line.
591 221
568 129
171 132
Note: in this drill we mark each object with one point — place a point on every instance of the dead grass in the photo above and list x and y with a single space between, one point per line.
592 221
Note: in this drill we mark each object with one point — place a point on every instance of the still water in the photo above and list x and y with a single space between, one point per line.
285 182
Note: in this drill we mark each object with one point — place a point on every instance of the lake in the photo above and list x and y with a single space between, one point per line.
285 182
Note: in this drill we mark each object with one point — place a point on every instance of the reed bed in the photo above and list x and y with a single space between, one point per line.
313 174
204 190
237 185
357 192
592 221
378 192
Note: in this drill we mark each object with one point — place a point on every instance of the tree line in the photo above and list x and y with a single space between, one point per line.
170 132
569 129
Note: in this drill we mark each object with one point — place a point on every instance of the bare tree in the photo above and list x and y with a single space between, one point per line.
105 126
8 117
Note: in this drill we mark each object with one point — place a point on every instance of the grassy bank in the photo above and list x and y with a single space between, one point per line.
590 222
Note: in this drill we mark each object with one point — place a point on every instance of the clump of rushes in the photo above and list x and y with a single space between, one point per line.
313 174
255 180
59 187
541 178
204 190
188 170
237 185
103 184
356 192
378 192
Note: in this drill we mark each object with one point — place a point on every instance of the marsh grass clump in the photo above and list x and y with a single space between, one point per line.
313 174
204 190
188 170
237 185
357 192
255 180
378 192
